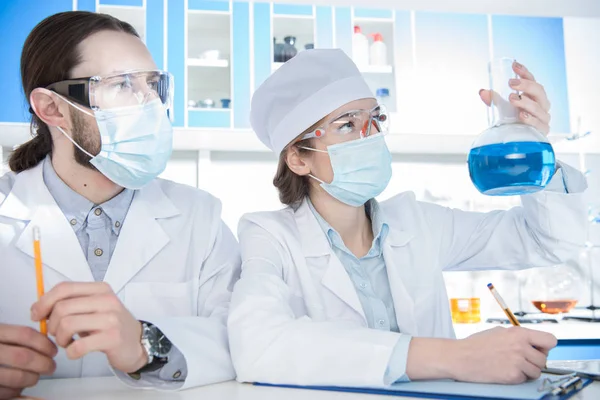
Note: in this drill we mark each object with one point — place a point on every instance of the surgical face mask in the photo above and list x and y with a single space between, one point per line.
136 143
362 170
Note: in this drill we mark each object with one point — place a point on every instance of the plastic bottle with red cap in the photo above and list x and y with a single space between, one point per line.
360 47
378 51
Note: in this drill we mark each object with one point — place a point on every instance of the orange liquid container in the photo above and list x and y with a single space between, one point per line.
465 310
554 306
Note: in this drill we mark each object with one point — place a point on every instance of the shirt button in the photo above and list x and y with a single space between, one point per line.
98 252
363 285
177 374
381 322
98 211
117 224
73 222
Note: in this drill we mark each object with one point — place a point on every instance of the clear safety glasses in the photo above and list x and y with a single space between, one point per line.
354 124
129 88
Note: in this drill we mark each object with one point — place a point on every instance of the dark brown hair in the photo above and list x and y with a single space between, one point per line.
49 55
292 187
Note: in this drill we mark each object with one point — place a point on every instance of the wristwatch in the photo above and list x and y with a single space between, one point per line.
157 347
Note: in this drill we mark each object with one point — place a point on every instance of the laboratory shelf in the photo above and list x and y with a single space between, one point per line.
198 62
228 139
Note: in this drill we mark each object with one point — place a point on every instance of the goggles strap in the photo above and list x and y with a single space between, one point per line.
74 105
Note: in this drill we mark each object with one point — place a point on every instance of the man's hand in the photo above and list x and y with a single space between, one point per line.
94 313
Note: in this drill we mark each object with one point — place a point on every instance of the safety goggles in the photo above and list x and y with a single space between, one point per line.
129 88
354 124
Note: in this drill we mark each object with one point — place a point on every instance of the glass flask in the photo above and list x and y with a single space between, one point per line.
510 157
555 290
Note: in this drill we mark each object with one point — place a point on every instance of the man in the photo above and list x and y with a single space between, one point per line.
138 270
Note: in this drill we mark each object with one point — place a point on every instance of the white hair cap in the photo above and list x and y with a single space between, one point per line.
303 91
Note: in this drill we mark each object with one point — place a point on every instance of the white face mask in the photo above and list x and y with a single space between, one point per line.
362 169
136 143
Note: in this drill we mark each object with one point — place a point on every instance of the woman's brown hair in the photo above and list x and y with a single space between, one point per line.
49 55
292 187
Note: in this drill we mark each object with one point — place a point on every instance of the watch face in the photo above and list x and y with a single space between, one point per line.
159 344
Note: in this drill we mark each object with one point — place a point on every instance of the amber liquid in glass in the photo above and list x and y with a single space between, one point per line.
554 306
465 310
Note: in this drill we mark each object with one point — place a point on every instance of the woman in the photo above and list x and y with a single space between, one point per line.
337 289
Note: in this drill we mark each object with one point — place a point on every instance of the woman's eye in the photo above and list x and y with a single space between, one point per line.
346 127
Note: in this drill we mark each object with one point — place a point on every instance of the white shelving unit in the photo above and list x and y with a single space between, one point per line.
379 77
136 16
301 27
238 140
208 78
207 63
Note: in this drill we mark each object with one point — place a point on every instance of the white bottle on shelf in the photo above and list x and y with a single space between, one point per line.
360 47
378 51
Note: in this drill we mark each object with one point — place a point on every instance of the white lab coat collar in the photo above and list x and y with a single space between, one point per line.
140 239
336 279
315 243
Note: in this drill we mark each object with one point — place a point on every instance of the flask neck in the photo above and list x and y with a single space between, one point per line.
502 111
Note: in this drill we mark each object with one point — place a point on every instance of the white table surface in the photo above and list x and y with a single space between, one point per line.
111 388
562 330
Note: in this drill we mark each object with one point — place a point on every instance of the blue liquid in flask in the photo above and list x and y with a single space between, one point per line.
513 168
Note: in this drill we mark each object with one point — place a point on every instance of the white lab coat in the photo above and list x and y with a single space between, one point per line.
174 265
295 317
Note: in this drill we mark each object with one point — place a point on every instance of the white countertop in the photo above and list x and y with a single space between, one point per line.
111 388
562 330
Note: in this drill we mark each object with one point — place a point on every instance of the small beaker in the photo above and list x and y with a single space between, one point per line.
465 310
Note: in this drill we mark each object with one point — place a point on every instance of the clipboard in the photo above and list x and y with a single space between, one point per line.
451 390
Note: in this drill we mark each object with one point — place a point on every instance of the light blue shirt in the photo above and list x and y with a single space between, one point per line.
97 228
369 276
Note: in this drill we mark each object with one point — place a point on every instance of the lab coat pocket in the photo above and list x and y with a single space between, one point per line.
159 299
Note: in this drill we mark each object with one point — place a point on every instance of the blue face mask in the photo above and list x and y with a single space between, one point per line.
136 143
362 169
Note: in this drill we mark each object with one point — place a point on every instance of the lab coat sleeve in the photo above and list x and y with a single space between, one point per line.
549 228
272 343
202 339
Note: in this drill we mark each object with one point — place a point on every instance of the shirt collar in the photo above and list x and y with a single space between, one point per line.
76 208
380 228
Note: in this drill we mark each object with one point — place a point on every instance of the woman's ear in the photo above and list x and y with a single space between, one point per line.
296 161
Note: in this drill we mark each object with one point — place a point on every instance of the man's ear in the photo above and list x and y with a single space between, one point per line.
47 106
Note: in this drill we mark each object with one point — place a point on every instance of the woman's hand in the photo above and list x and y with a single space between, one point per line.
533 102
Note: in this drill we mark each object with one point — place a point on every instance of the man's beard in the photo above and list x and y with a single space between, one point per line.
86 136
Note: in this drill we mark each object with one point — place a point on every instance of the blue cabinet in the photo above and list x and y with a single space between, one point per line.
176 57
438 61
125 3
538 43
213 60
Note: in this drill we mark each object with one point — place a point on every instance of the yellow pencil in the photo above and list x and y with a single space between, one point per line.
39 275
500 300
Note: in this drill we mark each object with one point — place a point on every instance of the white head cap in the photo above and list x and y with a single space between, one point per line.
301 92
